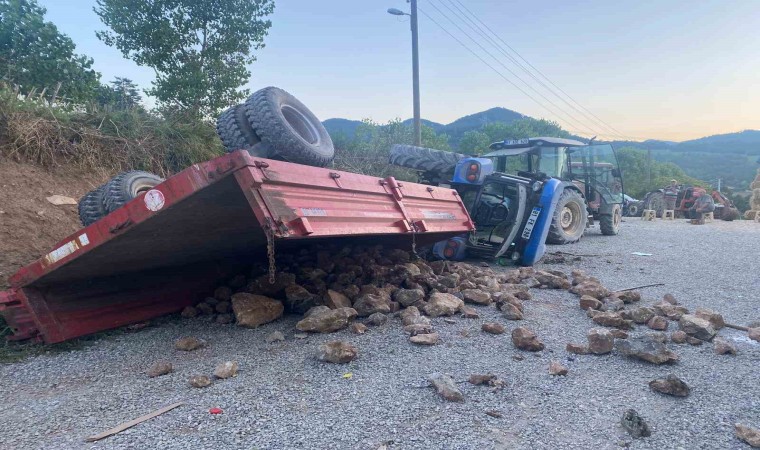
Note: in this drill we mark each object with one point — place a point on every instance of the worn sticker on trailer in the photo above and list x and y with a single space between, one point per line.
83 239
438 215
311 212
61 252
528 230
154 200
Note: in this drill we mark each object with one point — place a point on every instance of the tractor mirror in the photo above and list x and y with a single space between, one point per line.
616 173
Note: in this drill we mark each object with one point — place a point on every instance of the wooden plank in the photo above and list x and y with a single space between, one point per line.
131 423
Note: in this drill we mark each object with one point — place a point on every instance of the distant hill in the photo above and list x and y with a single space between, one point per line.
455 130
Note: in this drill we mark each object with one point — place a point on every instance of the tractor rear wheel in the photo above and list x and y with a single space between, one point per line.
570 217
128 185
424 159
655 201
610 223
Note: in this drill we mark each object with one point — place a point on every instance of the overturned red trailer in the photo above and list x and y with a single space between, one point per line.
165 249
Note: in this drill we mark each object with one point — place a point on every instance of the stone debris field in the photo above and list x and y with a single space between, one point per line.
370 347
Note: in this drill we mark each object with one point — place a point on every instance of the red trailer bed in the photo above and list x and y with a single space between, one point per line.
164 250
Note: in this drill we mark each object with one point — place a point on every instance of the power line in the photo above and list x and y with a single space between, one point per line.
569 117
607 125
474 25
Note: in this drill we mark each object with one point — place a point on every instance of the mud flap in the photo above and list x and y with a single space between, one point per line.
536 246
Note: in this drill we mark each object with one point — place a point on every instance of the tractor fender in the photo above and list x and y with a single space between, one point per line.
536 246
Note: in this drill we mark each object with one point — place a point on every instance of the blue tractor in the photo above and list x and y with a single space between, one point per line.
524 193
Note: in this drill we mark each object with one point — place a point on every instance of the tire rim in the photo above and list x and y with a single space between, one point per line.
570 218
633 210
300 124
141 189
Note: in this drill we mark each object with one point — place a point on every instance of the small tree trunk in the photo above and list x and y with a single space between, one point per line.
55 93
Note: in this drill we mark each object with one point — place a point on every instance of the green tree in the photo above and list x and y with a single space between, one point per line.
126 95
635 168
477 142
199 49
35 56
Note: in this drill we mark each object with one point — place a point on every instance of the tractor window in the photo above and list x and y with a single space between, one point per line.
597 165
552 161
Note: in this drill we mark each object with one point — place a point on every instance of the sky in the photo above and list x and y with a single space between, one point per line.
665 69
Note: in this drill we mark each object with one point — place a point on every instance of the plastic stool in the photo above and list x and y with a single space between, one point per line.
708 216
669 214
648 214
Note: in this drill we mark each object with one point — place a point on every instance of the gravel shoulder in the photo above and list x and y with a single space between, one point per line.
284 398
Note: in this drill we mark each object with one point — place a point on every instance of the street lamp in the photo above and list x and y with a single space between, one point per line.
415 68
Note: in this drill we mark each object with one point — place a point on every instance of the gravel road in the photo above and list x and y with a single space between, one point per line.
284 399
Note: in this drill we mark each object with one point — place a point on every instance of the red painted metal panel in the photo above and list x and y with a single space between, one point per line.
137 263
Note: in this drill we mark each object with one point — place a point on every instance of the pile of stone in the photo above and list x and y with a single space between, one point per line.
336 287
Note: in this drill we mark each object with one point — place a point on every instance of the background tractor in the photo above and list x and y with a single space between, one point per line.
687 195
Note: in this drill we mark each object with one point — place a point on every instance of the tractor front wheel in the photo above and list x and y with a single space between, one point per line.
610 223
569 221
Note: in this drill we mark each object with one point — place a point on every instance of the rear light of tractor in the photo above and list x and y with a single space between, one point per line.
473 172
452 249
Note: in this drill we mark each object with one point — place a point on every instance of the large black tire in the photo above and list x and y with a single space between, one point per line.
656 201
126 186
633 209
730 214
610 223
570 218
234 130
425 159
289 128
91 208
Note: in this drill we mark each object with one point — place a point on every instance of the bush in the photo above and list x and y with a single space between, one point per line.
103 138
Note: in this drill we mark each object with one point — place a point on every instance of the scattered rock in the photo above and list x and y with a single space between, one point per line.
418 328
525 339
494 413
629 296
200 381
511 312
670 385
408 297
358 328
468 312
493 328
555 368
441 304
635 424
300 335
224 319
577 349
613 304
723 347
670 299
658 323
450 321
642 314
612 319
223 293
670 311
678 337
715 319
275 336
377 319
205 308
600 341
446 387
368 304
424 339
552 280
477 296
592 289
478 379
59 200
327 320
589 302
252 310
334 300
697 327
337 352
188 344
691 340
658 336
227 369
747 434
189 312
646 349
619 334
754 334
160 368
223 307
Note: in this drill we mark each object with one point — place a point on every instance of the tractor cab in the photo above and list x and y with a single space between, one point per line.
589 172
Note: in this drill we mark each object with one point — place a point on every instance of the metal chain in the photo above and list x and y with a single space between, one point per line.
414 240
270 255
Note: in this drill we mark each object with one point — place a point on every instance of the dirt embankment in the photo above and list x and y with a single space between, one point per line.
29 224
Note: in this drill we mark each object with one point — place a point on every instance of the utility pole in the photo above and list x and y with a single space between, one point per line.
416 76
649 167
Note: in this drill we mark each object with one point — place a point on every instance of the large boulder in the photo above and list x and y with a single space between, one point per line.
298 300
646 349
327 321
252 310
697 327
281 281
408 297
477 296
334 300
441 304
715 319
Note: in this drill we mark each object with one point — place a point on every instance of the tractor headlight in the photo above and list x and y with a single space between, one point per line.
537 186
